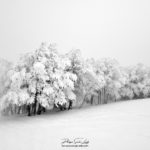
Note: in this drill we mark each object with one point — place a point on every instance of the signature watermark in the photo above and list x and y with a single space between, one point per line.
76 142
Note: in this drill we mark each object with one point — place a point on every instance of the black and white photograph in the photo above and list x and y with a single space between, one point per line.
74 75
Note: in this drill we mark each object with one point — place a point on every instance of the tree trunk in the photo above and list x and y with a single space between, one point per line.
100 96
70 104
92 98
39 110
18 112
15 109
105 97
29 110
84 99
35 103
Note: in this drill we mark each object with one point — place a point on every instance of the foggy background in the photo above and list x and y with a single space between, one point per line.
100 28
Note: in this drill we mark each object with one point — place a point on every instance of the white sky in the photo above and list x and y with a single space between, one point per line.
100 28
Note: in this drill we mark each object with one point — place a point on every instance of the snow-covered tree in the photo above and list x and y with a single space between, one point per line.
40 79
76 61
77 67
108 73
138 80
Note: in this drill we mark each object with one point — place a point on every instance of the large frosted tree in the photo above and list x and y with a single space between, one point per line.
40 79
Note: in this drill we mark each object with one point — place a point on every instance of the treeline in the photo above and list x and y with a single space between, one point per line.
46 80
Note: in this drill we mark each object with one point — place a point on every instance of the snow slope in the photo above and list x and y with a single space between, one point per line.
117 126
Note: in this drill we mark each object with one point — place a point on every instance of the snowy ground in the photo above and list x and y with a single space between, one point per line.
117 126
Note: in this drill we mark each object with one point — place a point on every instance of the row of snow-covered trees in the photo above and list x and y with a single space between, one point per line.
120 83
44 80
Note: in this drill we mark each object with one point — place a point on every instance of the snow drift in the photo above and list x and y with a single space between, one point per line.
116 126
